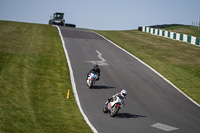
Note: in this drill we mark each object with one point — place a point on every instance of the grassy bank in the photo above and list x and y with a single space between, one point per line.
184 30
179 62
34 79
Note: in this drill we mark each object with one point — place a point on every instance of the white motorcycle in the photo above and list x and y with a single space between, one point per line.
113 106
91 79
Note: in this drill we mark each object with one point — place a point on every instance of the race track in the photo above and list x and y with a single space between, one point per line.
152 105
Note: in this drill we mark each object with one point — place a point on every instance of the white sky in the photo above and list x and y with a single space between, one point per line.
103 14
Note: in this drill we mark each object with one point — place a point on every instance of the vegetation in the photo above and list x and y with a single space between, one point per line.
179 62
34 79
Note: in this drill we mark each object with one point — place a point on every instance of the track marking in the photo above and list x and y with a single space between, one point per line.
102 62
100 56
164 127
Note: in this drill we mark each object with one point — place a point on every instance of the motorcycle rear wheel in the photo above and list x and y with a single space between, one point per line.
105 110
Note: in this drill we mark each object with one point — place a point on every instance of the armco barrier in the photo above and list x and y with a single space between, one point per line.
173 35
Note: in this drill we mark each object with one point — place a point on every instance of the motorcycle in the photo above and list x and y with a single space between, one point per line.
91 79
113 106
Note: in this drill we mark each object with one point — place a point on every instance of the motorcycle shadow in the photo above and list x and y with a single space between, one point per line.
128 115
102 87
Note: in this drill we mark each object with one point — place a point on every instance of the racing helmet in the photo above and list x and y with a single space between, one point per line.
96 67
123 93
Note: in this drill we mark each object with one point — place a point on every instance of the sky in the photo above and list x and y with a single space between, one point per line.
103 14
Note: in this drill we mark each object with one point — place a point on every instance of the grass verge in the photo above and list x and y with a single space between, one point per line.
184 30
34 79
179 62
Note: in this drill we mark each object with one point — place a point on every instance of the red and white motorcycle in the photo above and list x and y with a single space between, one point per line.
113 106
91 79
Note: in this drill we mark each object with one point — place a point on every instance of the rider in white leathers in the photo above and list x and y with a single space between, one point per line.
121 95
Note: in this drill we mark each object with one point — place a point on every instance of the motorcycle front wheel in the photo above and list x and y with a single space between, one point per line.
90 84
114 110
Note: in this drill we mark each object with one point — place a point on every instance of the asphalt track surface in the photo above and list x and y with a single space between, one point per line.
152 105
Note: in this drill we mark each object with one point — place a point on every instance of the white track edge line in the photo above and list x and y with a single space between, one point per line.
151 69
73 83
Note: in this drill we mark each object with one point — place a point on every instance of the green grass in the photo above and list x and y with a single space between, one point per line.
34 79
179 62
184 30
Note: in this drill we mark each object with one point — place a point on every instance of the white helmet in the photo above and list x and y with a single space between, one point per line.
123 93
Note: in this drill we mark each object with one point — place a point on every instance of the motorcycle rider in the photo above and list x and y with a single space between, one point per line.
95 70
121 95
